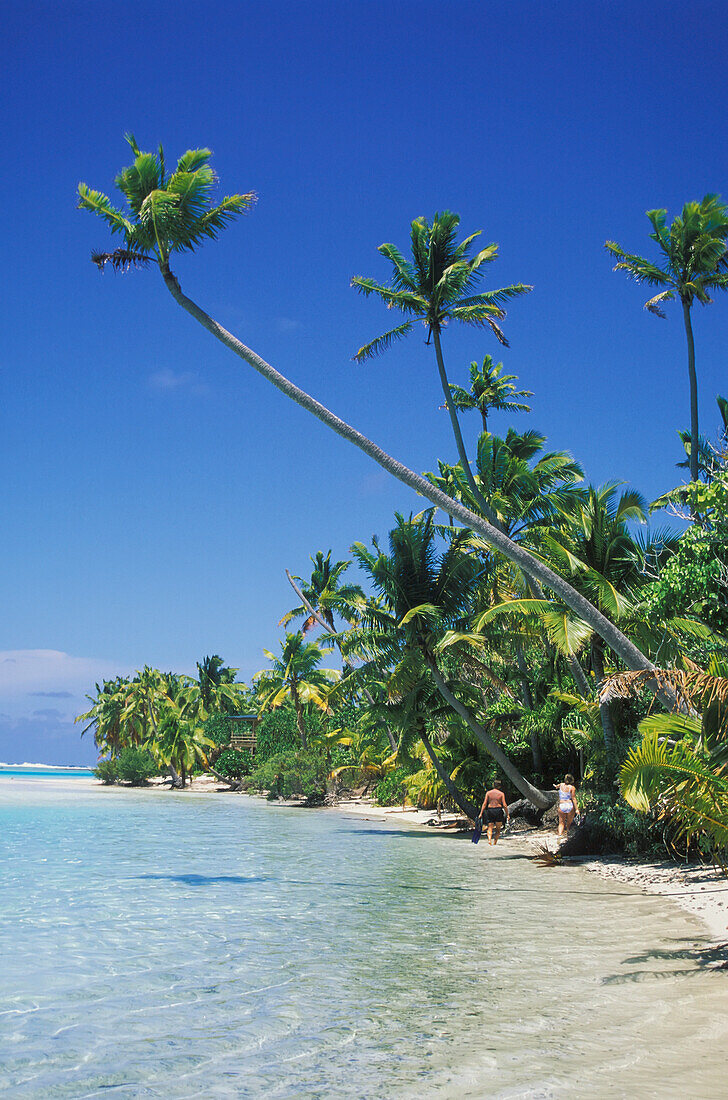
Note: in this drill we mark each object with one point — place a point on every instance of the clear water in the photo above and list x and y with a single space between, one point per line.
42 771
165 945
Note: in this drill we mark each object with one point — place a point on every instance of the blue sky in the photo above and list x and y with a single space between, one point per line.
156 490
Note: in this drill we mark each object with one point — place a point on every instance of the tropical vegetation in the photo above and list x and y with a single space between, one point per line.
524 624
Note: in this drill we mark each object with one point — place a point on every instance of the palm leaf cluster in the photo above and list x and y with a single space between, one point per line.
438 284
166 212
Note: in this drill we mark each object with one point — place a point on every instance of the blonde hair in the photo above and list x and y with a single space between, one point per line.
568 778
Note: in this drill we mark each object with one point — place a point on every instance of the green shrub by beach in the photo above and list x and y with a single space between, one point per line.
298 774
107 771
391 790
234 763
135 766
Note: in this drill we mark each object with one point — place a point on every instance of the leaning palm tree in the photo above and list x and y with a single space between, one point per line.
296 676
170 213
490 390
694 262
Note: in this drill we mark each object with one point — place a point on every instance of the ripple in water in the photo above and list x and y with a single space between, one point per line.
157 945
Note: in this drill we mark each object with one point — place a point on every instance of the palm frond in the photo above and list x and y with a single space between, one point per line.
381 343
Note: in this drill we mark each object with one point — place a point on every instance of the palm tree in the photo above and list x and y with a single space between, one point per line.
324 595
174 213
179 745
295 676
107 718
694 261
681 764
435 288
489 390
424 597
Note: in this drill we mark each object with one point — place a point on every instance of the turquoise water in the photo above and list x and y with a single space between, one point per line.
182 945
41 771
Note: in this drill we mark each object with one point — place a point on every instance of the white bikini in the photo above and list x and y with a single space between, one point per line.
566 804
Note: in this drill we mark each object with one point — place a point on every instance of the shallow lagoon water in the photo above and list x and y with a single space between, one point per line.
172 946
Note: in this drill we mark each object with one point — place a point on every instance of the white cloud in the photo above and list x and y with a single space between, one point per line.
169 381
26 674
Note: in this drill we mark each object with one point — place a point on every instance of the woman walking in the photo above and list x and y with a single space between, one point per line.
568 808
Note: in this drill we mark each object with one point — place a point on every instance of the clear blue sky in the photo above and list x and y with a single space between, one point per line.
155 489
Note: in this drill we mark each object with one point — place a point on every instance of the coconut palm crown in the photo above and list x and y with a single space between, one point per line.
694 263
490 390
166 212
437 285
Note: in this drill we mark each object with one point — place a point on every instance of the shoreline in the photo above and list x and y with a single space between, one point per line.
700 891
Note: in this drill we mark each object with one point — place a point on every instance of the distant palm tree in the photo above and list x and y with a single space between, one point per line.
489 391
296 676
174 213
325 593
694 262
436 287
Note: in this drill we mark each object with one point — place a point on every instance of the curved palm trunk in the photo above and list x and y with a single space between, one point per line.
299 717
327 626
536 755
487 510
610 737
627 651
694 437
463 804
540 799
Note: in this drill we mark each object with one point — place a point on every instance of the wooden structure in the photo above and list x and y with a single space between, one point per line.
243 731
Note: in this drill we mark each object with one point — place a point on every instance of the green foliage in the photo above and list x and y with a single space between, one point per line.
234 763
107 771
135 766
277 733
616 827
298 774
392 789
217 728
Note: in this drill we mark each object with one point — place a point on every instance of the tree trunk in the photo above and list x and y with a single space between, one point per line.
536 756
694 436
299 717
176 781
539 798
480 499
629 653
233 784
327 626
464 804
582 684
604 708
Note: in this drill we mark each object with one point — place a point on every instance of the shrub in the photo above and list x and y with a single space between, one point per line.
390 790
616 827
234 763
135 766
299 774
107 771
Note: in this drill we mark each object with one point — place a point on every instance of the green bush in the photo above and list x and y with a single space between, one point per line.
107 771
135 766
299 774
234 763
616 827
390 790
276 733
